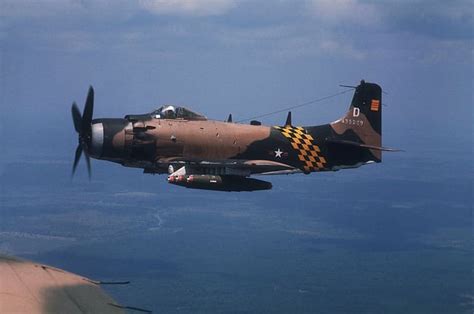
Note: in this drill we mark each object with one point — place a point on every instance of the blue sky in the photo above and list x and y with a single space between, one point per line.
244 57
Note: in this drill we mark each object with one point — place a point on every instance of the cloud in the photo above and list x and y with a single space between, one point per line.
429 31
344 49
351 29
433 18
344 12
188 7
32 8
50 8
288 41
436 19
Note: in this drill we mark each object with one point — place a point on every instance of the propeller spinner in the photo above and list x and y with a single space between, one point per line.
83 127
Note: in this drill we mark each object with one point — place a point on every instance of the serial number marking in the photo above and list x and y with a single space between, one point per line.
355 122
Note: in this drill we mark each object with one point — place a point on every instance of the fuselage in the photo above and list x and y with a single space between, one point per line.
209 154
142 142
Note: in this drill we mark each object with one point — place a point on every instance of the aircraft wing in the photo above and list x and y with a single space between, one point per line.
27 287
234 167
227 175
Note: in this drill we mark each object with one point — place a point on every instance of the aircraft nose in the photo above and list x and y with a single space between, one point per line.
97 140
109 139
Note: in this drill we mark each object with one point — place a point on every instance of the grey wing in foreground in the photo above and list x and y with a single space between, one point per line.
27 287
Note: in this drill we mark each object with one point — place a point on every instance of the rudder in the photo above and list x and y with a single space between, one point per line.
368 98
363 122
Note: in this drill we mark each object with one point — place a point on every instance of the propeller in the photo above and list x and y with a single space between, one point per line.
83 127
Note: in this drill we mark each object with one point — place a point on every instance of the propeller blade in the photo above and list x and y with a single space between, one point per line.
76 117
88 111
76 158
83 126
88 162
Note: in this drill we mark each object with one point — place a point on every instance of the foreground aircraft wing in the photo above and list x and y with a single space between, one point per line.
27 287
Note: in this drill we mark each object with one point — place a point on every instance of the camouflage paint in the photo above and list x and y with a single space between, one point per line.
224 148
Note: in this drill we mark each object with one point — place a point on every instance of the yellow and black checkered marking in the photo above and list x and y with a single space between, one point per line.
303 144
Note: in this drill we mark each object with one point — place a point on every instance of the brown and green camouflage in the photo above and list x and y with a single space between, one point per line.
191 148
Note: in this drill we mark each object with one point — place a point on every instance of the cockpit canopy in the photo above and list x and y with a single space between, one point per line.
173 112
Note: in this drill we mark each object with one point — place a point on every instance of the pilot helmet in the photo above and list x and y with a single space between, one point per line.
168 112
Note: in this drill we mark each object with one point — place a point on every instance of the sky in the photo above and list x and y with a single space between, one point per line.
241 57
246 58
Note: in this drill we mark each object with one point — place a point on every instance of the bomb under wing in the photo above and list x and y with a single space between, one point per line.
219 183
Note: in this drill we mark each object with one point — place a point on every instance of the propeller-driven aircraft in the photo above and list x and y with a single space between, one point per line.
207 154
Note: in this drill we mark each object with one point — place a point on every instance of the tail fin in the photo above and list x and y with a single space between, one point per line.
362 124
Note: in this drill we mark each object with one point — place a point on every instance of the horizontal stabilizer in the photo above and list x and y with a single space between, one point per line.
351 143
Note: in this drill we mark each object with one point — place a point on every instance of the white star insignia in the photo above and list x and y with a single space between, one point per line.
278 153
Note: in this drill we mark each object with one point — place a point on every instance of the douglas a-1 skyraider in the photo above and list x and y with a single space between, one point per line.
207 154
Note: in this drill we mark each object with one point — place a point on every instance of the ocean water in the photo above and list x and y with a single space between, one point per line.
394 237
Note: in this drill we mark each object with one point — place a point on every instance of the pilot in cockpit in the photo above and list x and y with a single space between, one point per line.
168 112
172 112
